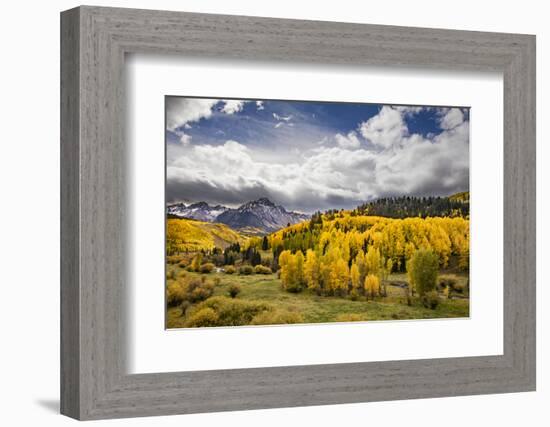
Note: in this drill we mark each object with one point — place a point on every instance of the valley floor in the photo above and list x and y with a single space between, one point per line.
322 309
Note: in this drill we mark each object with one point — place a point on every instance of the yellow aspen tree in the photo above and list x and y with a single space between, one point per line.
372 261
411 288
409 250
196 263
299 269
389 266
422 270
326 267
284 263
332 282
324 275
372 285
311 270
345 249
361 265
342 276
291 269
324 241
275 241
355 277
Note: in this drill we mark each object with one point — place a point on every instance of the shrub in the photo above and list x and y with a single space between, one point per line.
199 289
262 269
430 299
276 317
205 316
422 270
201 293
193 283
182 263
246 270
230 312
229 269
234 290
217 281
176 293
170 275
207 268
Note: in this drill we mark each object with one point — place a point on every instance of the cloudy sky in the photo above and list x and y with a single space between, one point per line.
311 156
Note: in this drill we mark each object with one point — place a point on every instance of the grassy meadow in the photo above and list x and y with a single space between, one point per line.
312 308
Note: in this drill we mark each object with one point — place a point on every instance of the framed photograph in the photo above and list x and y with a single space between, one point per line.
286 212
262 213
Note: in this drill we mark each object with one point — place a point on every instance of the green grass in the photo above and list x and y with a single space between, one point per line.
323 309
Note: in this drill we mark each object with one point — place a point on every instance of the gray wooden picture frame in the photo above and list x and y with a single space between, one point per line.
94 381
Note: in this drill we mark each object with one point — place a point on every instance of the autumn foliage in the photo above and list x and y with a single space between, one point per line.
339 253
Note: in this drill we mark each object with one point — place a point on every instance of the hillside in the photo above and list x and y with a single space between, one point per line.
461 197
187 235
345 235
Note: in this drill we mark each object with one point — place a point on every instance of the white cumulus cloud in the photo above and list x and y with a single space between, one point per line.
386 129
181 111
451 118
348 141
395 162
232 106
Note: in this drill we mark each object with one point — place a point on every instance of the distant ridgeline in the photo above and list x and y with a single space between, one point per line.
457 205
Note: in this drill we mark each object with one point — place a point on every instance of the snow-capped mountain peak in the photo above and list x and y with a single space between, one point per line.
201 211
260 214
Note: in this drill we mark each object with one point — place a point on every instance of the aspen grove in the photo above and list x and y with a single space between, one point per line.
341 254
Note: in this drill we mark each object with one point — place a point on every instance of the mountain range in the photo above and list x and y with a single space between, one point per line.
201 211
262 215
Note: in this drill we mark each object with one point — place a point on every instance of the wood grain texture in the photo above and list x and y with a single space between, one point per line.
95 383
70 291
